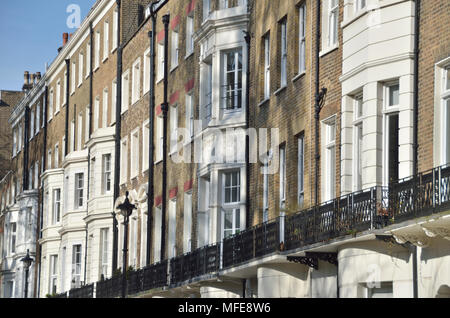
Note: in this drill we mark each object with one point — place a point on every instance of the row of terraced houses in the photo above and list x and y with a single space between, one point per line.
293 148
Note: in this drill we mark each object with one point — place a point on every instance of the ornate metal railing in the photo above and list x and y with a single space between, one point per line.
110 288
155 276
254 242
200 262
425 194
83 292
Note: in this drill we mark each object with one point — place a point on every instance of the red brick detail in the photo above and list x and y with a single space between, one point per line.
175 22
173 193
174 98
189 85
160 36
159 111
158 201
190 7
188 185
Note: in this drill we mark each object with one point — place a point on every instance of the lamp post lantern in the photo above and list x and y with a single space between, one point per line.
126 209
27 260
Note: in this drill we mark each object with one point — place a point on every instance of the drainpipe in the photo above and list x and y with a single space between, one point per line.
117 138
66 146
319 100
151 191
248 38
416 128
165 108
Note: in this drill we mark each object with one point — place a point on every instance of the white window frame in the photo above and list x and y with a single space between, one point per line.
283 57
86 122
146 81
136 82
31 124
445 121
124 161
333 23
125 91
113 101
161 62
53 271
50 105
302 38
56 153
282 176
38 119
187 217
80 131
235 91
115 28
266 190
145 145
267 66
96 113
360 5
175 49
74 78
72 136
56 216
189 34
76 264
358 134
79 191
97 50
157 235
330 159
190 116
159 138
173 128
80 68
104 256
88 60
134 160
105 40
58 96
105 107
49 160
389 110
301 170
106 173
172 224
12 238
206 10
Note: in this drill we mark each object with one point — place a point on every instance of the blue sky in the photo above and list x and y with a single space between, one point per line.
30 34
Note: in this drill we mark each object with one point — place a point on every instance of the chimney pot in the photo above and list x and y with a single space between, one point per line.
38 76
65 38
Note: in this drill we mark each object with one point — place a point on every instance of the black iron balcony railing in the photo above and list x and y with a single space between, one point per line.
252 243
155 276
110 288
82 292
426 194
200 262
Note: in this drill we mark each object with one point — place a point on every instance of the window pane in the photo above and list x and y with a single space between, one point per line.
394 95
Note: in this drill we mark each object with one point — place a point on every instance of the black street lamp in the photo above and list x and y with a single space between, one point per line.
27 260
126 209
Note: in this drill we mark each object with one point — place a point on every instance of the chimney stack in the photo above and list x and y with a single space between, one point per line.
26 81
26 78
37 76
32 80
